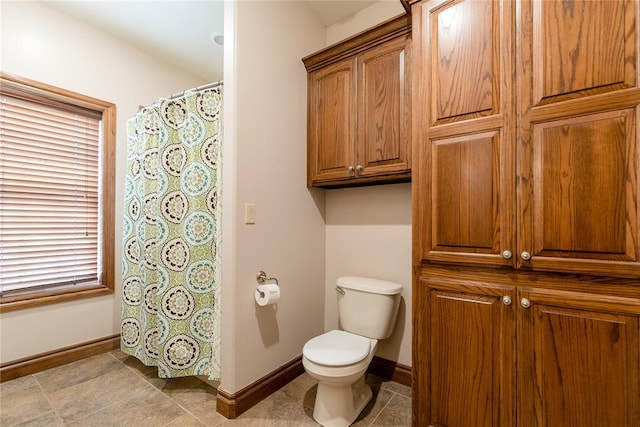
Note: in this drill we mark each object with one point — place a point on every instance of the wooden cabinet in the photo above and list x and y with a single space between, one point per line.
578 359
464 132
559 192
464 354
494 355
526 165
331 122
359 109
578 156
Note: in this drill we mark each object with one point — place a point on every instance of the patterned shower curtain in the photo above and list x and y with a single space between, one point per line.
171 236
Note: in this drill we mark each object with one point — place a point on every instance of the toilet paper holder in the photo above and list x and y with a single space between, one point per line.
262 277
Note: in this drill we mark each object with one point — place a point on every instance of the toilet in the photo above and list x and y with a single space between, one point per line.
338 359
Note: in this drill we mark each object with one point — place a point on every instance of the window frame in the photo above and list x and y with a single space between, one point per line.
52 96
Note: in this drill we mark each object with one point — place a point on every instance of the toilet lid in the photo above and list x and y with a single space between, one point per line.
337 348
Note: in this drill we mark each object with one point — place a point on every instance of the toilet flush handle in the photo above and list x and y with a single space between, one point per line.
340 290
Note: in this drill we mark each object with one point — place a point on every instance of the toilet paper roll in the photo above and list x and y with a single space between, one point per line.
267 294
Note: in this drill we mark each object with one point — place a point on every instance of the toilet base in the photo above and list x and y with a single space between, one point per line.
338 405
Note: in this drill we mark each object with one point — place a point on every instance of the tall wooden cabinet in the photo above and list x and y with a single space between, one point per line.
526 213
359 108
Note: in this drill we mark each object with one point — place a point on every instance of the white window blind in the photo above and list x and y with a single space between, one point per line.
49 194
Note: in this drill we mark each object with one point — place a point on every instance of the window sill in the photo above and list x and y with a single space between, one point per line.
36 299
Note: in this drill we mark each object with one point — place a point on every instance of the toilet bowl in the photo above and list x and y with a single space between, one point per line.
338 359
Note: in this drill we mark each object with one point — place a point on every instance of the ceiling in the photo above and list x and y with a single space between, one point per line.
180 31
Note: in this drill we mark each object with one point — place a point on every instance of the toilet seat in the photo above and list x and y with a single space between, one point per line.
337 348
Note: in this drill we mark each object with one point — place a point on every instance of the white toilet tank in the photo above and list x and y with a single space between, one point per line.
368 307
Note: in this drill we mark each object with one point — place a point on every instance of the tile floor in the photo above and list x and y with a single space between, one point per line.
114 389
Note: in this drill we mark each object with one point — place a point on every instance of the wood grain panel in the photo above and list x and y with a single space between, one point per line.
334 130
580 187
579 366
465 193
384 91
582 46
458 348
463 205
469 380
578 206
383 120
583 205
465 65
331 127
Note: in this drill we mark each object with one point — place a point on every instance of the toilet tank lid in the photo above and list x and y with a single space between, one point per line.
366 284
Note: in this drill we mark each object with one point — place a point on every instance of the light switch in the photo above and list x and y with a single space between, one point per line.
249 213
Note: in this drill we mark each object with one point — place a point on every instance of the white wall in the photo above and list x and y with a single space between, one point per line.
265 135
42 44
368 229
368 233
365 19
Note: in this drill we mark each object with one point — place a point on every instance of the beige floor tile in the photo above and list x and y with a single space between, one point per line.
91 396
276 410
148 407
23 405
78 372
396 413
396 388
50 419
200 401
171 385
119 354
114 389
379 400
185 421
303 389
139 367
18 384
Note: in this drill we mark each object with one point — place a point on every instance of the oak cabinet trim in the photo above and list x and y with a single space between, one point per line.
358 43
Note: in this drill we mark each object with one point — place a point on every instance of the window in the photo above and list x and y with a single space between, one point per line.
57 169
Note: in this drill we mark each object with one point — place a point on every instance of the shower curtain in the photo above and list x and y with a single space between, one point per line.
171 236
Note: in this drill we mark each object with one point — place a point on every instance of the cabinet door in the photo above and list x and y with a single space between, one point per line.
464 137
331 122
578 360
578 198
384 109
464 346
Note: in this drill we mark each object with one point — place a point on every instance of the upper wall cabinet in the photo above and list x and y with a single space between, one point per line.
527 152
359 109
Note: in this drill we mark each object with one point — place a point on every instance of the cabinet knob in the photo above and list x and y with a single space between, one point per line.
506 300
525 256
525 303
350 169
359 168
506 254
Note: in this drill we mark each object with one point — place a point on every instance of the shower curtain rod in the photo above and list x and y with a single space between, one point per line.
196 89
